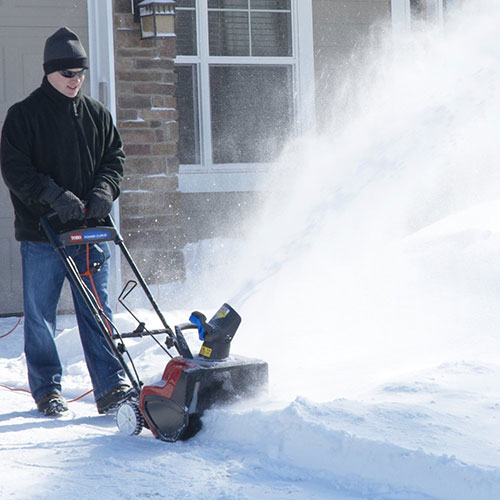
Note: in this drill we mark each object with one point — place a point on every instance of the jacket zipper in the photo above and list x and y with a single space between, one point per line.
75 111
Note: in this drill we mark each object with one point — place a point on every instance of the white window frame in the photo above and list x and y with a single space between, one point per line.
401 14
101 53
210 177
102 87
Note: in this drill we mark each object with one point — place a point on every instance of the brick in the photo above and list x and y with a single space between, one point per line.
146 165
159 114
172 165
165 203
129 38
171 238
126 114
154 88
172 131
124 64
137 149
167 47
139 76
141 221
150 204
170 101
163 148
160 183
143 209
159 134
131 136
157 266
125 88
134 101
122 6
169 77
132 124
124 20
155 64
135 52
157 101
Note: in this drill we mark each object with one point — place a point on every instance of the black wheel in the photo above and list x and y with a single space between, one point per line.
194 426
129 418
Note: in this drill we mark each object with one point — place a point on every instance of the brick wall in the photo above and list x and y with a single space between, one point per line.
150 206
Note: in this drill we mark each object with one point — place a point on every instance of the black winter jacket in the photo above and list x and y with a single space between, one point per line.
50 137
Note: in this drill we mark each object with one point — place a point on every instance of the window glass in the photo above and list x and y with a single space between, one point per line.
251 103
228 4
270 4
232 25
187 105
271 34
185 30
228 33
252 112
417 8
424 10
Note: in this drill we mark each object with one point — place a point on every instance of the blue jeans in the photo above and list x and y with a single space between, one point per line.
43 278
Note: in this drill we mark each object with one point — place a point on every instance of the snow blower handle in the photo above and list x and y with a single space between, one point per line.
217 333
200 321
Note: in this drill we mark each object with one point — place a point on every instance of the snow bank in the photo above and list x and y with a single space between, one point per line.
303 441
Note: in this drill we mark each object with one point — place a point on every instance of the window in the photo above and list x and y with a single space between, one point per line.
425 10
238 82
418 9
407 14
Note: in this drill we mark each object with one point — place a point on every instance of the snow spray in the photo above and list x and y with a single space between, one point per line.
366 261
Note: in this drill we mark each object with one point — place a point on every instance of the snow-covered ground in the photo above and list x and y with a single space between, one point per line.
370 282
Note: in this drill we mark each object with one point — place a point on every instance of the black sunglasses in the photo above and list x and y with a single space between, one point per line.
71 74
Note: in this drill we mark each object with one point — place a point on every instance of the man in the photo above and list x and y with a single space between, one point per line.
61 152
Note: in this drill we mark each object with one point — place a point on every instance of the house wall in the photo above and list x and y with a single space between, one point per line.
150 206
345 33
215 215
24 27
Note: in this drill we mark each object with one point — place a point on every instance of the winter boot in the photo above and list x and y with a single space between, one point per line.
114 398
52 405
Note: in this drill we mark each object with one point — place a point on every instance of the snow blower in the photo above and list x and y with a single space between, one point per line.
173 406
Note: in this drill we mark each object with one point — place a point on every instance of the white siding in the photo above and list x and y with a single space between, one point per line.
24 27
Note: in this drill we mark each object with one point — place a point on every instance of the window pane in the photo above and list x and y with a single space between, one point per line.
184 3
187 105
251 112
423 10
228 33
417 9
271 34
270 4
185 30
228 4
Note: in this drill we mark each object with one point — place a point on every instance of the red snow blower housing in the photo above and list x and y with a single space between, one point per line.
173 406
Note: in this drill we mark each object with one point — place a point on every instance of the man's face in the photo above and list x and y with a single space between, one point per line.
67 86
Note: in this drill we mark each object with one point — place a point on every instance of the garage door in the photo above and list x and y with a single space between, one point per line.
24 27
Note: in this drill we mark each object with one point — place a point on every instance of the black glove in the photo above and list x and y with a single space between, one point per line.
68 207
66 204
100 202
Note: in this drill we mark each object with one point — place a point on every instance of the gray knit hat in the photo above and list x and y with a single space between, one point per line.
63 50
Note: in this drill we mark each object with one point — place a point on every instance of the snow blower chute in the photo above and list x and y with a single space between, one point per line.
173 406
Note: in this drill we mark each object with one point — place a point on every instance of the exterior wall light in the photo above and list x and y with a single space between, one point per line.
157 18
